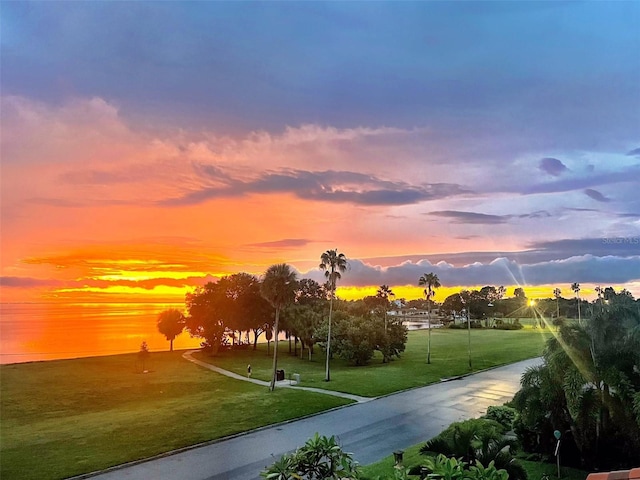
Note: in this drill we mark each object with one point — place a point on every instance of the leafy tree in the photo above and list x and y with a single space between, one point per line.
431 281
208 308
333 264
303 320
278 287
452 305
170 324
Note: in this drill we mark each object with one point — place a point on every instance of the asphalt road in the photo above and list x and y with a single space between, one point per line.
370 430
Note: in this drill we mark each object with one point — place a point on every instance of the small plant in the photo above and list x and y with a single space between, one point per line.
479 472
143 355
320 458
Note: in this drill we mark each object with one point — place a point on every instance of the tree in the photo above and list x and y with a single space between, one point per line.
431 281
170 324
207 307
278 288
333 264
588 387
383 293
452 305
576 289
557 293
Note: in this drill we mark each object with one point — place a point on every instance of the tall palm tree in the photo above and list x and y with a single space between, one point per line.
431 281
384 292
556 293
333 264
576 289
279 289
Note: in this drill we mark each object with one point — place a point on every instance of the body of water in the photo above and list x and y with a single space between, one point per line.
48 331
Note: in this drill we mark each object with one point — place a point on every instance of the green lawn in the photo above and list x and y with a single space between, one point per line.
449 357
66 417
63 418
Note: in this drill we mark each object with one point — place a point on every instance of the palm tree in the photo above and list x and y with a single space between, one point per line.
384 292
170 324
278 288
556 293
576 289
431 281
333 264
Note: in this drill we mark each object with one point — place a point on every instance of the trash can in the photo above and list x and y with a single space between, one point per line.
296 378
279 375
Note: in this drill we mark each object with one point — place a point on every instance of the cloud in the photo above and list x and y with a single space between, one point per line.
537 214
285 243
328 186
634 152
552 166
500 271
470 217
28 282
621 247
622 175
596 195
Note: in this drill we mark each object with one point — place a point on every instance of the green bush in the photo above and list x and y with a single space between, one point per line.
501 325
320 458
502 414
478 439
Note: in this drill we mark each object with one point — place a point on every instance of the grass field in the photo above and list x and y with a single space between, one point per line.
449 357
63 418
66 417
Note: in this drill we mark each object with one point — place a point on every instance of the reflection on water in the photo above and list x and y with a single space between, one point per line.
47 331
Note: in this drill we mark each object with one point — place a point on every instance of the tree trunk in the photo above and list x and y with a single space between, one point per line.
275 352
328 375
171 345
429 334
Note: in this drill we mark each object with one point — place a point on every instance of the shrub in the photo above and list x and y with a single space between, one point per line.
320 458
502 414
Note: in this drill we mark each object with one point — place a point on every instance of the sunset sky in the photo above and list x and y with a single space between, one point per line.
150 147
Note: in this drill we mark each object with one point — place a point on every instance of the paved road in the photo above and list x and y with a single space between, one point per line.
370 430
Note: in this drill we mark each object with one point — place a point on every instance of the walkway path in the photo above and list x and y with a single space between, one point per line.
280 384
370 430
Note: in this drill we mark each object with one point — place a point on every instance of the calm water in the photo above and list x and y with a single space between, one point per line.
47 331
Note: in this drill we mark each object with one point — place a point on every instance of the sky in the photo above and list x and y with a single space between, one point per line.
148 148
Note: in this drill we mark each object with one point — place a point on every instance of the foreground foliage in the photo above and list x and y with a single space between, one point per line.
478 440
320 458
588 389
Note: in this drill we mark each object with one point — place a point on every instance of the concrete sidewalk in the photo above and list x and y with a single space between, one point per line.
280 384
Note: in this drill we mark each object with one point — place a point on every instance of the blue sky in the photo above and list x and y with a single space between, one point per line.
449 130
